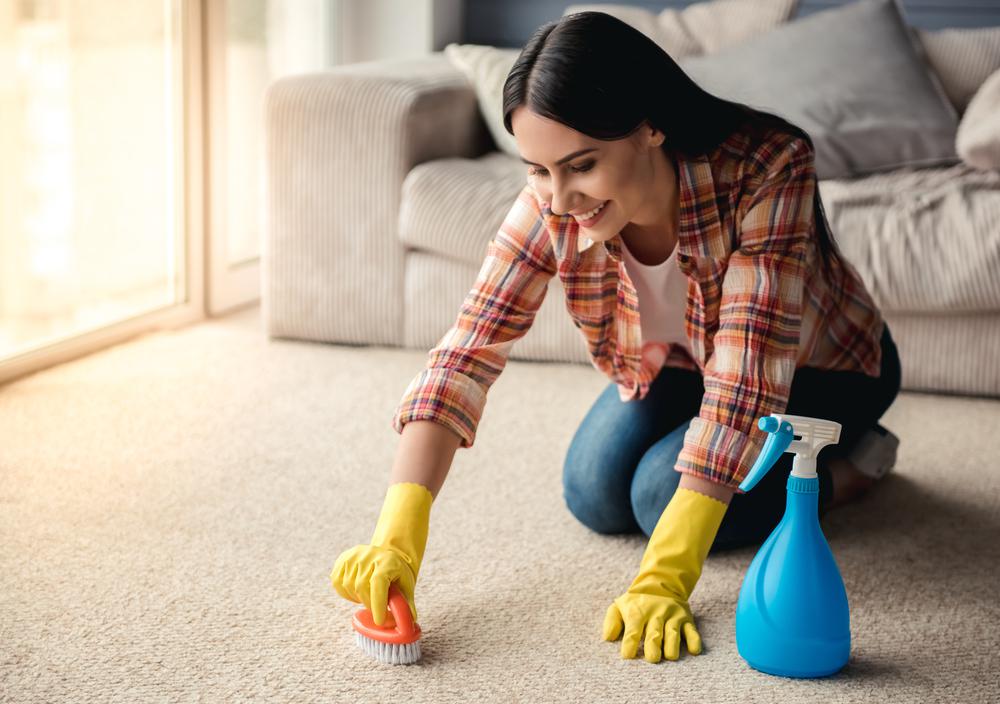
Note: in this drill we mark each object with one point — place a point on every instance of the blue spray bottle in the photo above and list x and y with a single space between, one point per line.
792 617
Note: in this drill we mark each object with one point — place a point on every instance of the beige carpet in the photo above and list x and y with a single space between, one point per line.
170 510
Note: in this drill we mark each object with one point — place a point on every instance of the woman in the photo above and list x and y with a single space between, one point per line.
690 238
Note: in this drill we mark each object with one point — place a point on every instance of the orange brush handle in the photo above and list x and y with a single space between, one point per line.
398 629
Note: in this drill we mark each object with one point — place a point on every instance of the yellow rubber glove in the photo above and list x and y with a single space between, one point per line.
657 601
363 573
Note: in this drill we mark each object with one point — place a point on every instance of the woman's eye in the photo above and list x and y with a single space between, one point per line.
578 169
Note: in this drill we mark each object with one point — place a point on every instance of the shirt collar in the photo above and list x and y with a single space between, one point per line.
700 228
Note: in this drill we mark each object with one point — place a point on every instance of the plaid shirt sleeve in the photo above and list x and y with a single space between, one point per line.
750 372
500 308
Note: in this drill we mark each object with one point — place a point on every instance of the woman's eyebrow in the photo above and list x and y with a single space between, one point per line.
565 158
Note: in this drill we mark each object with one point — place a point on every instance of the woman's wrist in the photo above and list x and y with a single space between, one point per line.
708 488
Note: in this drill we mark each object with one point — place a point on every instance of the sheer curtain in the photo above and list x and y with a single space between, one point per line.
131 138
91 122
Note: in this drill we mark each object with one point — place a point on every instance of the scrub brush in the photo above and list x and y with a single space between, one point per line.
397 640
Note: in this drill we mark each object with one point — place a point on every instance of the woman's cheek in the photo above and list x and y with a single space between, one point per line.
539 188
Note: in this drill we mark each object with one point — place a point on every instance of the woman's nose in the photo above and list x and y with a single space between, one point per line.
560 200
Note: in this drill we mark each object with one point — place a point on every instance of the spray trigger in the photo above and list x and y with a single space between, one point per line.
780 437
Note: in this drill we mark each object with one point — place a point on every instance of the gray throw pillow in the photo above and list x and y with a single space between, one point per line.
852 78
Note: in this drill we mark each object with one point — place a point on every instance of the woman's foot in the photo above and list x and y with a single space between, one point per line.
871 458
848 483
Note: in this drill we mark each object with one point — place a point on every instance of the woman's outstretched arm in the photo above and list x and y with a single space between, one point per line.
424 456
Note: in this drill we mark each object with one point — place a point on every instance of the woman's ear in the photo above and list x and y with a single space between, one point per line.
656 137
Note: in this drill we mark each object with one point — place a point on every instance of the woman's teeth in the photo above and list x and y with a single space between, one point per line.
592 213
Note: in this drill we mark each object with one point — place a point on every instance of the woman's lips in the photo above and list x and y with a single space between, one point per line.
593 220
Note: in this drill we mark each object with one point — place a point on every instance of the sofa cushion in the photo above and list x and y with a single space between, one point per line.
486 69
923 240
853 78
435 288
978 140
962 59
454 207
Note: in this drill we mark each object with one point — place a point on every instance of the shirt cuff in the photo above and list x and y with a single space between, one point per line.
444 396
718 453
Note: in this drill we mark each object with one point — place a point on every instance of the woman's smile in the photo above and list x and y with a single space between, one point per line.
590 218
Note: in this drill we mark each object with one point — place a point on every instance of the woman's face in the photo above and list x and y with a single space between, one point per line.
617 174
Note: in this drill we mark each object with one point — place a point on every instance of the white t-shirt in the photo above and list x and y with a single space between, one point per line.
662 294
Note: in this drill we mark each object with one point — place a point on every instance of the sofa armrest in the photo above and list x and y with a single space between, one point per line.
338 146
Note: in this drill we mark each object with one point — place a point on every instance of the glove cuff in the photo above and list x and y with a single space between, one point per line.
404 522
680 543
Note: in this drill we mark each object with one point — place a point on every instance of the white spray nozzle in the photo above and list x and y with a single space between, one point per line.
813 434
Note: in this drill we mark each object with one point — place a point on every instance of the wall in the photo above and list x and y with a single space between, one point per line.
394 29
511 22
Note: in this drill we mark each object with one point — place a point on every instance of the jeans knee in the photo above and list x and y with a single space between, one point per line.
594 500
653 487
656 480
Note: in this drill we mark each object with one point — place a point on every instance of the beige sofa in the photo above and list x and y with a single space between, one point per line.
384 187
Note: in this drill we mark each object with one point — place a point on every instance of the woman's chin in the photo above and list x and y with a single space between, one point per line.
598 234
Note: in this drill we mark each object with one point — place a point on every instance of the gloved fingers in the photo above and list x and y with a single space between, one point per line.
338 568
692 638
633 634
652 649
346 582
385 572
379 596
337 581
358 581
407 585
338 585
342 560
338 576
672 643
405 582
612 623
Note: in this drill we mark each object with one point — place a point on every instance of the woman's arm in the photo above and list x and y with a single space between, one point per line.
703 486
497 312
424 455
756 343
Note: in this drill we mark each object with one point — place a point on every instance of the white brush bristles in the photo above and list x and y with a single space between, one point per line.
389 653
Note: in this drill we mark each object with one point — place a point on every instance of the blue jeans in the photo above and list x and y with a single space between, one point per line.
619 472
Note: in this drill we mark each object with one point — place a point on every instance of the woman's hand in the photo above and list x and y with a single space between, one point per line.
363 575
663 618
657 600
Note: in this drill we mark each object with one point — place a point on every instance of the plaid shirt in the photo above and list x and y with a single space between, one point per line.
758 304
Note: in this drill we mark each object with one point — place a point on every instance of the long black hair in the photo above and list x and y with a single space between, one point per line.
592 72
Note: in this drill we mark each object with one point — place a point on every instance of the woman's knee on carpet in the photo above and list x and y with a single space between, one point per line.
656 480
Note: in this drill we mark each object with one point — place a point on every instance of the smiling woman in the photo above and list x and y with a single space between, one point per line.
690 241
626 186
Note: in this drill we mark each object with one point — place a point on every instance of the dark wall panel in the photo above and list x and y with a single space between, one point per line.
510 22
